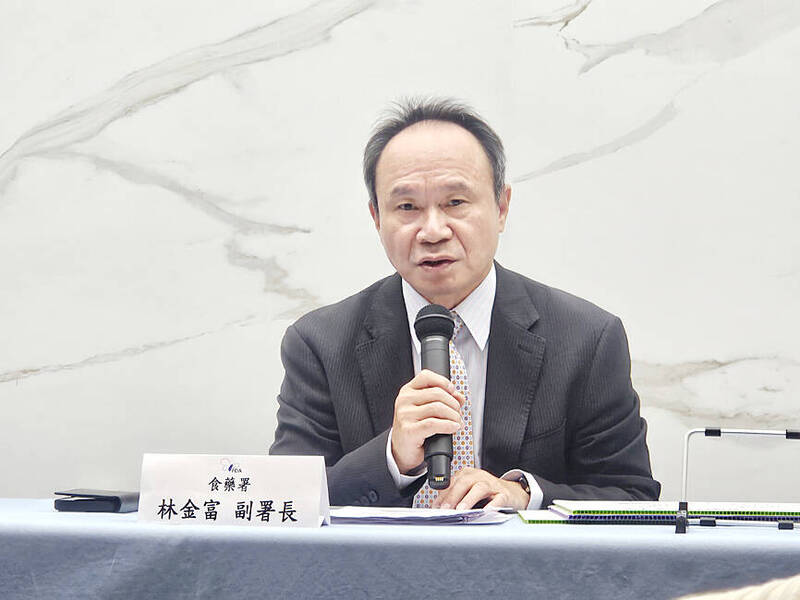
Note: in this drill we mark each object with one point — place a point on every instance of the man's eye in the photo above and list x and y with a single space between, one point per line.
406 206
457 202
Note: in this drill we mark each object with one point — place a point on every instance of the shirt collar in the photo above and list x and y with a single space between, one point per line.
475 310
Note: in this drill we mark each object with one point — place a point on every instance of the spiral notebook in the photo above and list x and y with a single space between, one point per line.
663 512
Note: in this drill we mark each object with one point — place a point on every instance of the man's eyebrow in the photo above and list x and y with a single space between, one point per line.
403 189
456 186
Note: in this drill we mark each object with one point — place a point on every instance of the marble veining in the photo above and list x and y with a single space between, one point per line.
563 16
722 32
275 278
208 203
211 205
139 89
641 133
109 357
750 391
53 138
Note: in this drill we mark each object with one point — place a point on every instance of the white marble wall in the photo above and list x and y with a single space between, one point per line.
180 180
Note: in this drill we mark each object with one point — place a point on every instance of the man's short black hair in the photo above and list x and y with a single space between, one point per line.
415 110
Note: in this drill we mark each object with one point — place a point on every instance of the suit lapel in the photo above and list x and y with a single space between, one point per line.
513 369
384 352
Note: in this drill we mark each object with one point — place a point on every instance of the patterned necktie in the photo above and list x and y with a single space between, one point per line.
462 439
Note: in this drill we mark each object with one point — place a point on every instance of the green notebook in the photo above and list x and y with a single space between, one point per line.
665 511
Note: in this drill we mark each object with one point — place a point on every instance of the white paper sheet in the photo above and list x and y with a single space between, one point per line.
416 516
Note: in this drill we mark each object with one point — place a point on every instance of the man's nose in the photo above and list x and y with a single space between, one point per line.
434 227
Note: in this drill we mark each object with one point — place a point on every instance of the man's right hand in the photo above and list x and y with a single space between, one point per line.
426 405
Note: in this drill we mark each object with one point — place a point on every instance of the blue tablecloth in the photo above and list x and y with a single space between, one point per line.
45 554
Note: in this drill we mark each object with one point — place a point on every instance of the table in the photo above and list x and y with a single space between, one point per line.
45 554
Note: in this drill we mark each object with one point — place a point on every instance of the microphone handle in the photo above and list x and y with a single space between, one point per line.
435 356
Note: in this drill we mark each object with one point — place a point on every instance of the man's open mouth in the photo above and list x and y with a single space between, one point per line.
436 263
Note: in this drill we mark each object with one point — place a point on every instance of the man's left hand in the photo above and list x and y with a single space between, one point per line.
470 486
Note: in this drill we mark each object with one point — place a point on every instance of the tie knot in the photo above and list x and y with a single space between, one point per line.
458 322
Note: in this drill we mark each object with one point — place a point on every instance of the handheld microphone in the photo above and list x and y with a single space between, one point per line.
434 327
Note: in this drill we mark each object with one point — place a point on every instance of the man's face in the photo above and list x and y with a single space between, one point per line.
438 218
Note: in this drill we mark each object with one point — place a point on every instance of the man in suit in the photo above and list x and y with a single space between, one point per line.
546 409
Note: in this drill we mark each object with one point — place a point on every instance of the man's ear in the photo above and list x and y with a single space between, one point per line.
502 205
376 218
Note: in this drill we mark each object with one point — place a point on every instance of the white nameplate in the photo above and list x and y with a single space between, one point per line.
207 489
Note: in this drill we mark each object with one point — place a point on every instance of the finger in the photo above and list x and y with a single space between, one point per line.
435 394
477 492
428 427
433 409
427 379
460 484
500 500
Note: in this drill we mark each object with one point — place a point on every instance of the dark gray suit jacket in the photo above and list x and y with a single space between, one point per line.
559 401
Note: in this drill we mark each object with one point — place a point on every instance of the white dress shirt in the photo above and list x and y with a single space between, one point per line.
472 343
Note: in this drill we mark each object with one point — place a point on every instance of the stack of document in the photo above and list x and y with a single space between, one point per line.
416 516
655 513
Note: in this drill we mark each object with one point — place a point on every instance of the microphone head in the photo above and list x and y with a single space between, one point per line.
434 319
